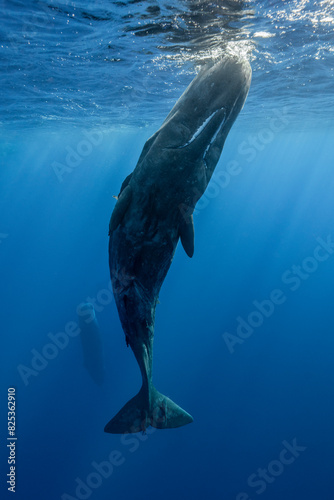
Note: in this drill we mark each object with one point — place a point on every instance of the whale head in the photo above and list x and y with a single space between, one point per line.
201 119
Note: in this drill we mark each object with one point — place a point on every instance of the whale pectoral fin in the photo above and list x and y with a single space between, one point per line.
187 235
120 209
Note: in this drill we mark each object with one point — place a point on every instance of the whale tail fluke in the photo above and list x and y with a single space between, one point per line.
136 415
166 414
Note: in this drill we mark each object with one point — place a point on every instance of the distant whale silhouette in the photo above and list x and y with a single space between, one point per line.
91 342
154 210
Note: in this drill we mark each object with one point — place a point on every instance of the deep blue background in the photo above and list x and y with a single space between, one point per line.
276 386
70 68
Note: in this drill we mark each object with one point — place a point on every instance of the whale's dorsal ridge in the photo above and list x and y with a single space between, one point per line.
120 208
125 183
187 235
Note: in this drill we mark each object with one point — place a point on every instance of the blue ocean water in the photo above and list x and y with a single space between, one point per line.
244 329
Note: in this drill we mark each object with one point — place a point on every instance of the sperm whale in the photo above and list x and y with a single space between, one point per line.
155 210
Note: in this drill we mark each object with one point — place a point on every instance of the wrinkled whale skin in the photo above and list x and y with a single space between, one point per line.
154 210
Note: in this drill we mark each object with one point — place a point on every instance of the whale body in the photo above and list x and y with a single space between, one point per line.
155 210
91 342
